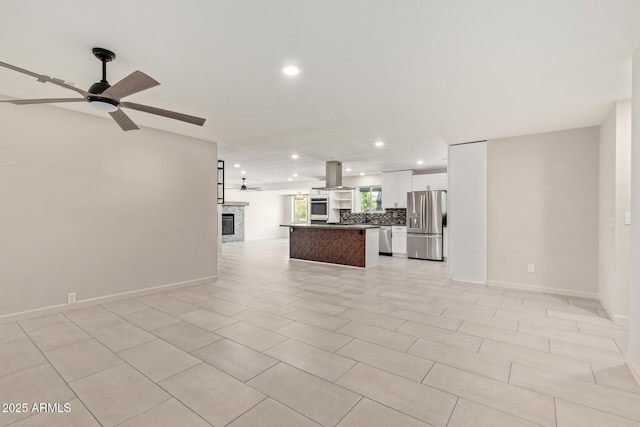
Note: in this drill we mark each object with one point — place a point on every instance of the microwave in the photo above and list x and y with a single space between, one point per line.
318 208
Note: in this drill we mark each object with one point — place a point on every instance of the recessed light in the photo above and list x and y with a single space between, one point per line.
243 172
294 156
348 169
289 179
361 173
379 143
291 70
237 165
295 175
420 162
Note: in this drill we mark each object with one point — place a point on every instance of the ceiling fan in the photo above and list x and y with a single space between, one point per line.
244 187
105 97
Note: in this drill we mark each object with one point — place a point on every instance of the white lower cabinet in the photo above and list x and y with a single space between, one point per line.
399 240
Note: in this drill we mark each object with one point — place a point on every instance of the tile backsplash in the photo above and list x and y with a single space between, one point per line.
390 216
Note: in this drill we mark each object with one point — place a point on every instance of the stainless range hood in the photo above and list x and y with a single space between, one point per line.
333 177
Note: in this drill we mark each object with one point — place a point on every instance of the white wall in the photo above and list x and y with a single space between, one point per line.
263 216
614 201
634 321
543 210
606 209
467 214
623 205
88 208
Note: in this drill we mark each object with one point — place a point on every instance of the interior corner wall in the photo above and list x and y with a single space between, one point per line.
634 299
467 212
90 209
264 214
614 202
543 210
606 210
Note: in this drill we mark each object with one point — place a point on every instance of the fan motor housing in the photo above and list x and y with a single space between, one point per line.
99 87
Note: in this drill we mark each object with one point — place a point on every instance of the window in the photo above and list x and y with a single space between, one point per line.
299 207
368 199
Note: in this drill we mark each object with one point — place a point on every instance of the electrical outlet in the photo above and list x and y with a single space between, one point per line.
71 297
627 218
531 268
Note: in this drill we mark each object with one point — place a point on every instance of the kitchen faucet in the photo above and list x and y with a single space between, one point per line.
365 215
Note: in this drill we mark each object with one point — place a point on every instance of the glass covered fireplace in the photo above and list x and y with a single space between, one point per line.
228 224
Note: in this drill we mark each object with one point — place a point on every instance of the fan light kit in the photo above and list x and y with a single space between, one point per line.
104 97
103 106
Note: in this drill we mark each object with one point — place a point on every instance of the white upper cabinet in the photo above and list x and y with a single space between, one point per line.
432 181
395 186
389 183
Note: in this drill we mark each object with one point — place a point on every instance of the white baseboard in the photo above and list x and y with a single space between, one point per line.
100 300
545 289
633 368
621 320
467 281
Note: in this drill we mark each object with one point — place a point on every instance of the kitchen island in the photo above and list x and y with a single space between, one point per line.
355 245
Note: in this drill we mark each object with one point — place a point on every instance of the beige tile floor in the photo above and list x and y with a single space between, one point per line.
285 343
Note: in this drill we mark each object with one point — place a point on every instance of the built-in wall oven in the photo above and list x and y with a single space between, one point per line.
318 208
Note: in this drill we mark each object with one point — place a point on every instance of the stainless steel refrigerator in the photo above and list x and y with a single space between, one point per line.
426 219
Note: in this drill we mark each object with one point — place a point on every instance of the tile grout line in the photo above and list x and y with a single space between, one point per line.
145 411
249 409
58 373
157 384
491 407
454 410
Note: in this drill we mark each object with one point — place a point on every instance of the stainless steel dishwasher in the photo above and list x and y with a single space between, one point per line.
385 240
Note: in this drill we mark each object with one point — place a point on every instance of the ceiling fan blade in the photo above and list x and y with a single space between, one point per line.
44 101
123 120
42 78
133 83
164 113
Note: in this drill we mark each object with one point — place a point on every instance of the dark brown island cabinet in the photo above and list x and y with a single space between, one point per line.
354 245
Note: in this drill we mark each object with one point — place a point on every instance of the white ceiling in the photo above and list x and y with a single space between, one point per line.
417 74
